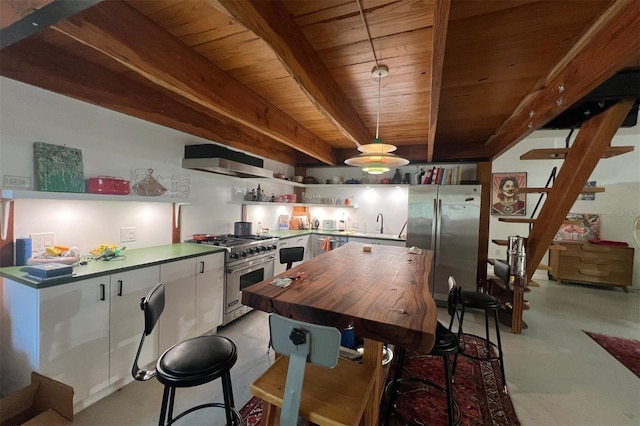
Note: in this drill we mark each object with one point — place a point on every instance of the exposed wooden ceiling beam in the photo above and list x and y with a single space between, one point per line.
53 69
24 18
272 23
604 49
11 11
115 29
593 139
440 26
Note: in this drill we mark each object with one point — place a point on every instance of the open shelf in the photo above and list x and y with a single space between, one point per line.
14 194
268 203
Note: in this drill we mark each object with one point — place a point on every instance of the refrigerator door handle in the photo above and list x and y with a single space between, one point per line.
433 225
439 230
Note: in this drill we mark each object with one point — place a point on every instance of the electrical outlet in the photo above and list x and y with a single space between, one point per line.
127 234
40 241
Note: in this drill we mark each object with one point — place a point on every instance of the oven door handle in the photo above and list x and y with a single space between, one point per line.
253 265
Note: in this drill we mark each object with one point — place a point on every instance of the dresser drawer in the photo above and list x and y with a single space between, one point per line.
592 251
596 271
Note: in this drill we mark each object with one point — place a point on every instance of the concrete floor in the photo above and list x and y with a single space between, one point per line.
556 374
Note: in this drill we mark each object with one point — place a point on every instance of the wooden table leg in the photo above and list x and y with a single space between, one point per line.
372 357
516 313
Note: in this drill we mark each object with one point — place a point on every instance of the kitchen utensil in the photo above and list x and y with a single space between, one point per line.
204 237
315 223
242 229
294 223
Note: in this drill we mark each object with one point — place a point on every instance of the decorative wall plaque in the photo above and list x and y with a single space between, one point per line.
58 168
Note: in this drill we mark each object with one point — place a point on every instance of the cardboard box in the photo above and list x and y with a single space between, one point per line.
45 402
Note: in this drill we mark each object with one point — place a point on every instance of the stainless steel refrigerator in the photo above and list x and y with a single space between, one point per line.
446 219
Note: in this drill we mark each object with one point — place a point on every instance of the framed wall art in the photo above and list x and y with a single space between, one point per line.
505 201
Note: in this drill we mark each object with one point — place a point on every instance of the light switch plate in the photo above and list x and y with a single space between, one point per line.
40 241
127 234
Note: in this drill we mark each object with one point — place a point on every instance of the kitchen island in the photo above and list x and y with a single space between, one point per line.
383 293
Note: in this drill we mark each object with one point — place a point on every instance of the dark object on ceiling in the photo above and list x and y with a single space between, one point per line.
625 84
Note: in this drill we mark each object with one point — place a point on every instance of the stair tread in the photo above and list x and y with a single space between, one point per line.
532 190
561 153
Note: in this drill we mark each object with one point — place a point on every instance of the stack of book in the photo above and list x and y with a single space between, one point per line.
48 271
442 176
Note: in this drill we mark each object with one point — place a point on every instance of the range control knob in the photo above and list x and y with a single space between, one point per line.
251 251
273 247
244 254
235 255
263 248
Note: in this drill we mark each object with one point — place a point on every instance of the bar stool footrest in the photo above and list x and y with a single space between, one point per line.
456 407
236 414
493 346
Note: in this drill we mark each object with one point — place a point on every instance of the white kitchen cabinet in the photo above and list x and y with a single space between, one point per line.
74 335
209 292
178 322
127 321
299 241
378 241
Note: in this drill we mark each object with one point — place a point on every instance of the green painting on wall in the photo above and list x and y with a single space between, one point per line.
58 168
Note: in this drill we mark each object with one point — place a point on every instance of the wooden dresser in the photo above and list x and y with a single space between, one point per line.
592 264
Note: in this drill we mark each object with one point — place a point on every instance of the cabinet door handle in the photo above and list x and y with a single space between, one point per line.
119 287
102 291
202 267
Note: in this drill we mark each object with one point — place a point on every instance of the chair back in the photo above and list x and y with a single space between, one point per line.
302 342
289 255
152 305
501 270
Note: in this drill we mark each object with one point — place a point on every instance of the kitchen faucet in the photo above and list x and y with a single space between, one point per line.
381 218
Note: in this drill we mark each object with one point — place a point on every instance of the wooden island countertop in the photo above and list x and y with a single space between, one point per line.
384 293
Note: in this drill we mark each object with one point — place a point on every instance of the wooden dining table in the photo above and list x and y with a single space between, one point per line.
383 292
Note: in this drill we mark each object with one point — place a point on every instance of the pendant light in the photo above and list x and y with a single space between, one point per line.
377 157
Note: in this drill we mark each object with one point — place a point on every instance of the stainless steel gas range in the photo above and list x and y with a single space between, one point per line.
249 260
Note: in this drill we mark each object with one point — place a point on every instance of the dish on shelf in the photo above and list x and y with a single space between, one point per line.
310 180
352 181
279 175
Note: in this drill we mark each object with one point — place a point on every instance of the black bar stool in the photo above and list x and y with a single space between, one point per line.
446 344
490 305
193 362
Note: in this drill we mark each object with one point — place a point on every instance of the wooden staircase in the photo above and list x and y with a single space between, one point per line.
591 144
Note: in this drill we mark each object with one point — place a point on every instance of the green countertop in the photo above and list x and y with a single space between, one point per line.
133 259
292 233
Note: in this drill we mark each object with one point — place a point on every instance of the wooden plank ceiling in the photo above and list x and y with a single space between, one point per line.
291 80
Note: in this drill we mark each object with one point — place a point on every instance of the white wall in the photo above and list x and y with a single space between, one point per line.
619 205
112 144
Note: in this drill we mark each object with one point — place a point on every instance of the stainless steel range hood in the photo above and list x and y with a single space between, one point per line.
221 160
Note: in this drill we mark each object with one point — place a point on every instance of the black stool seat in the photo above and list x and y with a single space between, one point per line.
196 361
475 299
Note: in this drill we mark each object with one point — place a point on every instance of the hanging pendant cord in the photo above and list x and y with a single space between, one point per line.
366 27
378 112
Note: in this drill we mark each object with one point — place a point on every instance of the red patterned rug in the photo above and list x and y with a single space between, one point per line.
477 389
627 351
